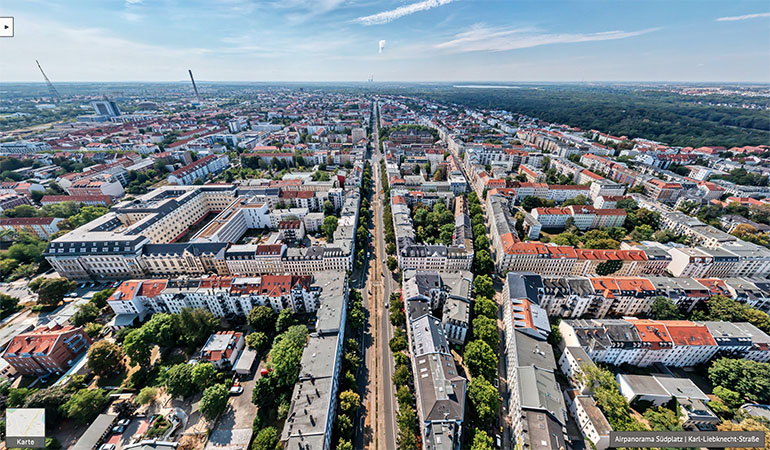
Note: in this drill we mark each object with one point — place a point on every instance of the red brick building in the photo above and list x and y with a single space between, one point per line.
46 349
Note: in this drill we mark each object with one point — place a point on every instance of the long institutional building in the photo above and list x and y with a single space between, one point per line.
142 237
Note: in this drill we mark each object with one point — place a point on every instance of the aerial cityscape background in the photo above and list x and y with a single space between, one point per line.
416 224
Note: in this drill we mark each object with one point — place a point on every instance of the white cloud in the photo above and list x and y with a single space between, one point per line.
481 38
133 2
382 45
401 11
746 17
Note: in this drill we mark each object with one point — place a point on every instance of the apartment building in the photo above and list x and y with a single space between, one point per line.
43 227
12 199
48 349
88 200
664 192
102 184
641 342
200 169
449 292
584 217
606 188
439 386
590 419
113 246
222 296
536 408
313 407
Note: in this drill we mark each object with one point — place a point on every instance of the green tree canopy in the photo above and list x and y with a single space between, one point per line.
179 380
258 341
51 291
481 359
104 357
84 405
484 399
286 354
214 401
262 318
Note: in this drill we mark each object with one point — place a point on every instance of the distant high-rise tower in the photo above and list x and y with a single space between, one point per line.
106 108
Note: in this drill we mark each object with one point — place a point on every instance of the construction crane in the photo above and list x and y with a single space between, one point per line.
51 88
194 86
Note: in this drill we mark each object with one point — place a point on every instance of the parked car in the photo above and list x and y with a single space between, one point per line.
118 429
107 447
124 422
236 390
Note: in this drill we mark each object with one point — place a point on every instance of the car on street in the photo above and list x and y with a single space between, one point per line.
124 422
236 390
118 429
107 447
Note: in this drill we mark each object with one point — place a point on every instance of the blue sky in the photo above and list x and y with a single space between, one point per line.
423 40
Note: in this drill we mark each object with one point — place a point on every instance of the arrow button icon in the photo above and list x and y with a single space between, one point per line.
7 27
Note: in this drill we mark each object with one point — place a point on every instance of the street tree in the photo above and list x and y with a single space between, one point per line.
104 357
481 359
485 329
485 400
84 405
258 341
484 307
51 291
203 375
214 401
262 318
179 380
482 286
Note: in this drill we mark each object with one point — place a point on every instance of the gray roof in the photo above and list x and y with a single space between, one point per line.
594 414
524 285
539 391
643 385
456 310
428 337
543 432
662 386
440 388
332 287
533 351
681 387
728 334
95 432
417 309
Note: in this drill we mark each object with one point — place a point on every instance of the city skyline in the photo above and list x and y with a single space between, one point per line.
404 41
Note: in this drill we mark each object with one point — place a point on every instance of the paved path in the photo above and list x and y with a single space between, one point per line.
381 406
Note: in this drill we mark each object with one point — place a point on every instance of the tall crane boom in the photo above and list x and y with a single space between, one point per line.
51 88
194 86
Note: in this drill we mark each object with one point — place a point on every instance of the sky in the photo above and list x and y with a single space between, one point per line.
390 40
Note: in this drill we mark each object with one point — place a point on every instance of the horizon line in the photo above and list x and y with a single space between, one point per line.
182 81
